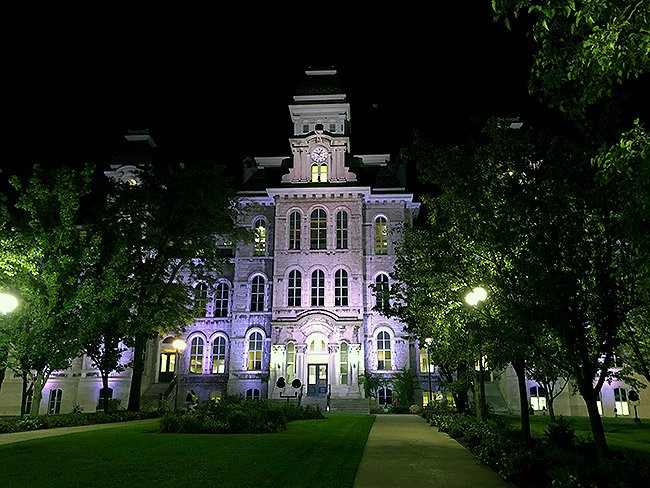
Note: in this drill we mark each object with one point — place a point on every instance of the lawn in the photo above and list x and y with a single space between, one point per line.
310 453
621 432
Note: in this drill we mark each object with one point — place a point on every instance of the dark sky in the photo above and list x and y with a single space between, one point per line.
220 89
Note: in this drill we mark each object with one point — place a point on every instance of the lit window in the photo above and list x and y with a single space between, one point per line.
196 355
423 362
253 394
538 397
260 237
201 299
318 288
219 355
381 236
255 352
341 288
323 173
54 404
381 288
620 401
257 294
294 230
383 351
221 299
344 362
342 230
291 361
294 289
319 173
318 229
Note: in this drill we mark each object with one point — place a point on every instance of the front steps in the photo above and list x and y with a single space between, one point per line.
350 405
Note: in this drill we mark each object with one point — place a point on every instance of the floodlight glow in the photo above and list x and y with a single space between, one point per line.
8 303
179 344
475 296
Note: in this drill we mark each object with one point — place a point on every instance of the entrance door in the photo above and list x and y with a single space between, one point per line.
167 367
317 380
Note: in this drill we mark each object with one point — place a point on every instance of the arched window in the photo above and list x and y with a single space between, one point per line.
54 403
255 344
343 365
294 289
318 288
294 230
260 237
257 294
318 237
384 396
201 299
221 299
342 230
196 355
219 355
341 288
383 351
381 288
381 235
253 394
291 361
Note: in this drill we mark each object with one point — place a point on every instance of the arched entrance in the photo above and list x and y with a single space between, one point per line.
317 355
167 361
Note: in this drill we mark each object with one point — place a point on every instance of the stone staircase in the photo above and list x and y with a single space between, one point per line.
150 399
350 405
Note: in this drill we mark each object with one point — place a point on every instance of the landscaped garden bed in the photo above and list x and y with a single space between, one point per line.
555 458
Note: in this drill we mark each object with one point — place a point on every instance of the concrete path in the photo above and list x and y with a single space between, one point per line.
39 434
405 451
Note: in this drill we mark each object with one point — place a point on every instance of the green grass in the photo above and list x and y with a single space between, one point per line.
310 453
621 433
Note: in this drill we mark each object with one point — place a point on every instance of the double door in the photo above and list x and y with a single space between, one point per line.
317 380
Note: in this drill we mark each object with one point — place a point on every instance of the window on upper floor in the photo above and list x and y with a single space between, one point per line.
196 355
319 173
342 230
201 299
381 235
381 289
260 237
318 229
294 289
384 355
318 288
341 288
257 294
294 230
221 299
255 344
219 355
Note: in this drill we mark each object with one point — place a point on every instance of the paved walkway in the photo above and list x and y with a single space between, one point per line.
405 451
38 434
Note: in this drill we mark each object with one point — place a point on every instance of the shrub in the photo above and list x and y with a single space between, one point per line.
561 433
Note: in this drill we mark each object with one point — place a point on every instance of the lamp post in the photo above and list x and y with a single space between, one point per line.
179 346
473 299
8 303
427 343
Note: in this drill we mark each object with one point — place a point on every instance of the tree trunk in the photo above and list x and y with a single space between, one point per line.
2 377
519 366
38 385
461 398
551 409
597 430
23 398
105 401
3 369
136 377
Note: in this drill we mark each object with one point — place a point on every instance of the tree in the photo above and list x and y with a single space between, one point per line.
42 258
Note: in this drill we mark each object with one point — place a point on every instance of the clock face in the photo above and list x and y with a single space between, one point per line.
319 154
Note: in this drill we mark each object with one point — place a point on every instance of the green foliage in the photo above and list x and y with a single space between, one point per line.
561 433
76 418
403 389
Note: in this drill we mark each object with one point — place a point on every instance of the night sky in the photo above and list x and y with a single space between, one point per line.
209 93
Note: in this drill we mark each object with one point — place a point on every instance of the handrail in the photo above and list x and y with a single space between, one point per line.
170 388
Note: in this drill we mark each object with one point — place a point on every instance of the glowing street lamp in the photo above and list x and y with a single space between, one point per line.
428 341
473 298
179 346
476 296
8 303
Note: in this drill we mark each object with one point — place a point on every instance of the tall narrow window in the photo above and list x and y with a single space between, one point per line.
291 361
383 351
319 173
323 173
294 230
255 351
342 230
196 355
294 289
201 299
343 351
219 355
257 294
314 173
381 236
620 401
221 300
318 288
381 288
260 237
54 403
341 288
318 229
